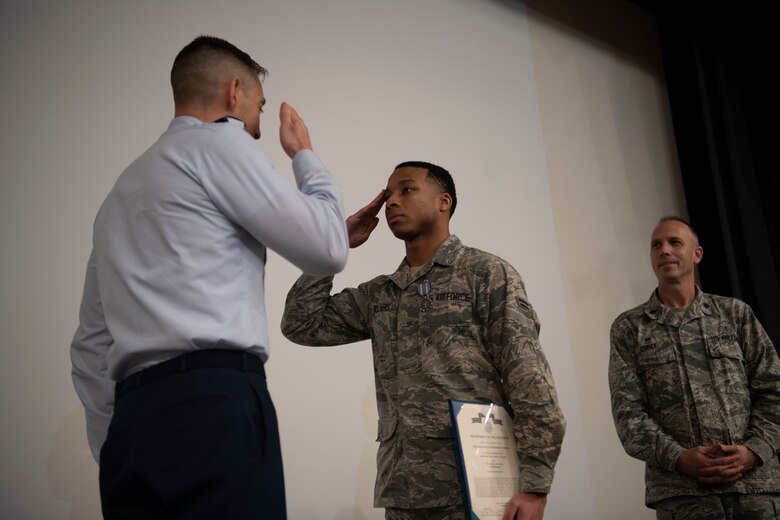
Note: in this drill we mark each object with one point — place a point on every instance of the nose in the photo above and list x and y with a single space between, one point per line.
391 200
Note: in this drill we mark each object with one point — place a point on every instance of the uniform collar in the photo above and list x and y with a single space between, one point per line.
445 256
702 305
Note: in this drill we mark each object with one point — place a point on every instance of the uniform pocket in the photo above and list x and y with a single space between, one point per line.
727 363
723 347
433 460
656 363
439 433
658 368
448 313
385 429
651 355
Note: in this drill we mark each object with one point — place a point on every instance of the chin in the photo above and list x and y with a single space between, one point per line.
401 234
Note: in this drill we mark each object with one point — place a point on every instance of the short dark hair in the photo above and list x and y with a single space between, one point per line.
438 175
204 64
681 220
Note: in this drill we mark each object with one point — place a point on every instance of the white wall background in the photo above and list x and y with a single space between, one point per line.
552 117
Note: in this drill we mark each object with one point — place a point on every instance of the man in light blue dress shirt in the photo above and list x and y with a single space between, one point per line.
172 338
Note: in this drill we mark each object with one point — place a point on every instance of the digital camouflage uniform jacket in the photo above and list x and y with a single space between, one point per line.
474 337
712 377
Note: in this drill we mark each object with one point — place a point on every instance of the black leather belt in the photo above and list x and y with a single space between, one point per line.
212 358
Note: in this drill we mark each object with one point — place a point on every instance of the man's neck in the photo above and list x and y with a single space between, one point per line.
678 294
421 249
205 114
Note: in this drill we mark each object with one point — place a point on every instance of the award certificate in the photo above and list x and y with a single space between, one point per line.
487 452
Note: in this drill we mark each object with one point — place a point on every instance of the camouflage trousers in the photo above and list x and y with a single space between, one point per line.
730 506
457 512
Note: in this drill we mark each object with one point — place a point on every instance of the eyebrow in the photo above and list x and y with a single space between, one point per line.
402 183
674 237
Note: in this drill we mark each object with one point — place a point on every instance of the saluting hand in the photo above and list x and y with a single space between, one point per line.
364 221
293 133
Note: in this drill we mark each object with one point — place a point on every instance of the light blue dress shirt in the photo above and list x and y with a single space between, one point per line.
179 249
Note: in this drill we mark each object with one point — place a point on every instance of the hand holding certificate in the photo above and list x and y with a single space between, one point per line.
487 450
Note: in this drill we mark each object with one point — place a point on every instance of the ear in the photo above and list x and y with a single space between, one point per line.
698 253
445 202
232 90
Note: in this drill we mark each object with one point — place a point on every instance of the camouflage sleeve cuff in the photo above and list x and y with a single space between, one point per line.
313 278
761 448
535 479
668 455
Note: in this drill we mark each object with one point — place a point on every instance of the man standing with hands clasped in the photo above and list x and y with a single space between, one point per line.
452 322
172 337
695 384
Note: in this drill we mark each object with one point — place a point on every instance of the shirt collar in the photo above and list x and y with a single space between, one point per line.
182 121
445 256
702 305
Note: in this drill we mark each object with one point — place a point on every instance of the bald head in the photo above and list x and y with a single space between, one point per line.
205 65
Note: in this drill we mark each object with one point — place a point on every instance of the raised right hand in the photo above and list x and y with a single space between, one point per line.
364 221
293 133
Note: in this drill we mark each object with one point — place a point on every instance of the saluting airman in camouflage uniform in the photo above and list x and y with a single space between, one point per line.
695 384
451 323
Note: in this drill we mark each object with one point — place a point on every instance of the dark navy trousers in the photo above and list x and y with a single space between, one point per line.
196 444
